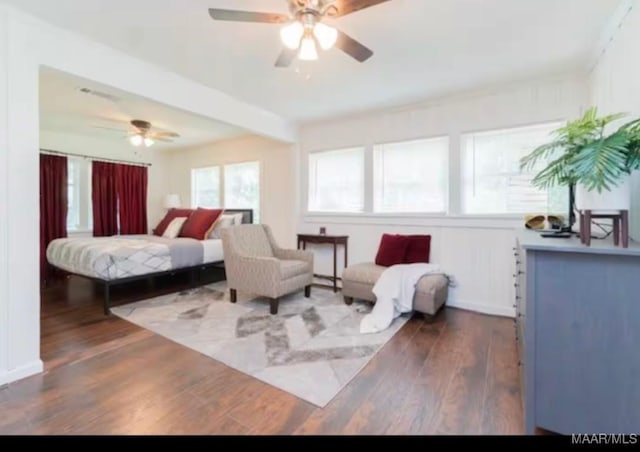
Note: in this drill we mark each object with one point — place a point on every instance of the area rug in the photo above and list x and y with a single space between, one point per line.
312 348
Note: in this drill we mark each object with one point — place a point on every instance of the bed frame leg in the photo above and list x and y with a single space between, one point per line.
107 309
193 278
151 284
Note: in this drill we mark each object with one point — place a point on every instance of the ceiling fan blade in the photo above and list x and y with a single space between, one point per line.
166 134
164 140
352 47
344 7
247 16
286 57
111 129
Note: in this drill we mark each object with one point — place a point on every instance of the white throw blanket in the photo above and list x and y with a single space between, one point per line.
394 292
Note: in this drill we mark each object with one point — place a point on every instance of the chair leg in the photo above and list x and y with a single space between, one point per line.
307 291
274 305
234 295
348 300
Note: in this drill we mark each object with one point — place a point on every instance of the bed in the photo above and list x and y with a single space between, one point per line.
123 259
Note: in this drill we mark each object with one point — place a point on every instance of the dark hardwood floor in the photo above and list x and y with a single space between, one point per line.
453 374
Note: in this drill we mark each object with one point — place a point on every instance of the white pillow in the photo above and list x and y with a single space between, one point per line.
224 221
174 228
237 218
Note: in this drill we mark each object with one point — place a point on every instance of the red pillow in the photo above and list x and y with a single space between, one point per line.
171 214
418 250
200 223
392 250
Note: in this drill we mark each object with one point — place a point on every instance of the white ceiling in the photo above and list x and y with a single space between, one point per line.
64 109
424 48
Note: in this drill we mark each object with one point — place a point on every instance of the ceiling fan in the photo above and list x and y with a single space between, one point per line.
143 133
303 29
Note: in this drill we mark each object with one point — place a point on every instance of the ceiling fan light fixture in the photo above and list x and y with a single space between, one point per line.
291 34
148 142
326 35
136 140
308 50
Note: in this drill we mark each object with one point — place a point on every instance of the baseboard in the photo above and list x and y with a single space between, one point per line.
502 311
21 372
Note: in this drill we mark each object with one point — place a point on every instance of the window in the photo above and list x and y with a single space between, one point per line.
205 187
336 181
79 206
411 177
73 195
492 180
242 187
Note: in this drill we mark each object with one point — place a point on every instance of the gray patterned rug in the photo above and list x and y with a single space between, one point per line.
311 349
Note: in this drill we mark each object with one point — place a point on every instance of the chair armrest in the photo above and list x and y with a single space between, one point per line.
294 255
263 264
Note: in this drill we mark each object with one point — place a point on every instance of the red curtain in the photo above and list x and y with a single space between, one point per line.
53 206
131 185
104 196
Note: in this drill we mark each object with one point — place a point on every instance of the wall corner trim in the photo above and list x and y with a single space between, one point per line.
608 35
21 372
502 311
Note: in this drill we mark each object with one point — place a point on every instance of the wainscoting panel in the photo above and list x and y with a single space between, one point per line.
481 261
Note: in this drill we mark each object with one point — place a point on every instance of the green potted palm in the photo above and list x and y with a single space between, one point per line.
584 157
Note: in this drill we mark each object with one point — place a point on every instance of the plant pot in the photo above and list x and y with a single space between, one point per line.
606 202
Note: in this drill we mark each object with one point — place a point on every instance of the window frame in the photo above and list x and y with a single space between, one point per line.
73 185
220 185
446 169
364 149
461 167
83 189
223 180
454 217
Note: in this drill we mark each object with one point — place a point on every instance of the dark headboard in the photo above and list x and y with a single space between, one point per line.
247 214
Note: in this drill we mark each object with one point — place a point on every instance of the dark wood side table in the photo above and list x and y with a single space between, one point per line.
620 226
334 240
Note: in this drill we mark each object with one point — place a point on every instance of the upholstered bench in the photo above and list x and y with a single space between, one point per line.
358 281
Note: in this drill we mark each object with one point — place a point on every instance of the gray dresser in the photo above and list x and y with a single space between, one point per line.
578 334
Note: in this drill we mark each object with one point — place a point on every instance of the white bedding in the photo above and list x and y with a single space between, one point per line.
212 250
111 258
394 292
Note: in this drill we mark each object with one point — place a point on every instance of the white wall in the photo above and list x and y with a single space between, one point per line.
615 81
94 147
277 180
26 44
20 302
477 251
4 200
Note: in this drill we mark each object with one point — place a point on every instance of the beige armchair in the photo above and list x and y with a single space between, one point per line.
254 263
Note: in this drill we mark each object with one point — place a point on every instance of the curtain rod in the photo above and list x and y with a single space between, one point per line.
99 159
